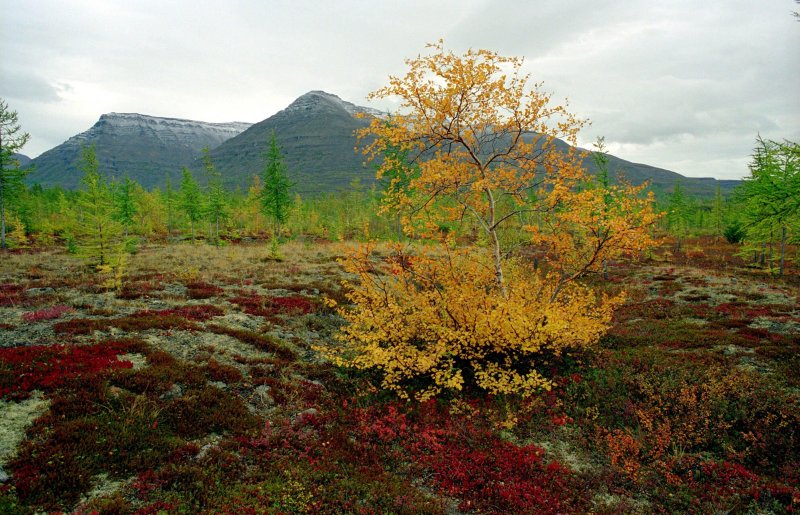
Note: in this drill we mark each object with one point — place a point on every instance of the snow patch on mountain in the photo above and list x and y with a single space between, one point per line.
315 99
164 129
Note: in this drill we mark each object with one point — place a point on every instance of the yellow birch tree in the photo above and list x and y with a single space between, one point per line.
483 141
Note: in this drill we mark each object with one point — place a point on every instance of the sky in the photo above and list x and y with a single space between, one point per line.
678 84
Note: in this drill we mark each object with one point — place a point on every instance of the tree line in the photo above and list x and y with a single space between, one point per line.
762 214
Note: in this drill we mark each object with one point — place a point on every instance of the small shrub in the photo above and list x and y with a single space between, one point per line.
269 306
46 367
202 290
141 321
217 371
163 372
441 324
11 294
199 312
136 290
78 326
734 233
47 313
208 410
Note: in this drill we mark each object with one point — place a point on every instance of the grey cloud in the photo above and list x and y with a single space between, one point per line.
23 85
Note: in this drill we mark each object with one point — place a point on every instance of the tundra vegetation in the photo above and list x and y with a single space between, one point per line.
486 329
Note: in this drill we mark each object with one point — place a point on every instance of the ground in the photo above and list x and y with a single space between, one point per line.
197 386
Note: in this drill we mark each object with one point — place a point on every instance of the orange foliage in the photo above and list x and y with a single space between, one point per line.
624 449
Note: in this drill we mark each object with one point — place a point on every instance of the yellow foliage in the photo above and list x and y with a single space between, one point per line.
432 321
595 225
113 271
17 239
476 139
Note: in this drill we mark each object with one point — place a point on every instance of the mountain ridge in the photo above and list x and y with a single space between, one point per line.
315 131
145 148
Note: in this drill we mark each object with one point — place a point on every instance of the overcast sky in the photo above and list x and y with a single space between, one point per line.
683 85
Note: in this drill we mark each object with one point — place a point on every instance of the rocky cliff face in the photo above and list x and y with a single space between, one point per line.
148 149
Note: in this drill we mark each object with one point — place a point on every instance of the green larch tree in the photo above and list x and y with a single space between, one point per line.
97 232
125 204
771 194
275 199
216 201
12 139
718 212
169 205
191 200
677 215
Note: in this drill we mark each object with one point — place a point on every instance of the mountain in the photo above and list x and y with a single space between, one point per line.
316 135
22 159
146 148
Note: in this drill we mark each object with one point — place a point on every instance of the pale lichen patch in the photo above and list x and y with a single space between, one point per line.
138 360
15 418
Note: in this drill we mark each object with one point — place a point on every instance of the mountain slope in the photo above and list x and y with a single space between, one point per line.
146 148
661 181
316 135
22 159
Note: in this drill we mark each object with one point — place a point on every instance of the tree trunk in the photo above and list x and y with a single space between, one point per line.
102 244
498 262
2 224
769 260
496 254
783 250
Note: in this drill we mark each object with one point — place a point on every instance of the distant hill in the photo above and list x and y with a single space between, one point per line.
661 181
145 148
316 135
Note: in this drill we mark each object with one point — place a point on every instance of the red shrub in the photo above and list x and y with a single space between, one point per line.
135 290
732 309
217 371
262 341
10 294
202 290
24 369
292 305
258 305
200 313
47 313
469 462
